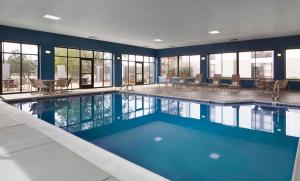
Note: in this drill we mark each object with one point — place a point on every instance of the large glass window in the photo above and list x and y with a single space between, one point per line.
102 69
169 65
129 68
292 64
67 65
19 65
184 66
189 66
194 65
224 64
257 64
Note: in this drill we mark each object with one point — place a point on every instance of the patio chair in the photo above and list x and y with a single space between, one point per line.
235 83
197 82
263 85
68 83
61 83
11 84
32 84
41 86
216 83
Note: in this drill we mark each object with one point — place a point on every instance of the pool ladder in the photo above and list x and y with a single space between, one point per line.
125 88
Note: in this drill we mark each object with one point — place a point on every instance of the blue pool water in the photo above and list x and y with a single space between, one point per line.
180 139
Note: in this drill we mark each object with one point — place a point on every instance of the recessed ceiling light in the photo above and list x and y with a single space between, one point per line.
51 17
158 40
214 32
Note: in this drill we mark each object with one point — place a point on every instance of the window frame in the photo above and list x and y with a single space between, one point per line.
21 62
208 65
238 60
127 60
285 64
79 57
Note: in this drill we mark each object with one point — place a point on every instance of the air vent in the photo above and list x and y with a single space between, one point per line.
234 39
93 37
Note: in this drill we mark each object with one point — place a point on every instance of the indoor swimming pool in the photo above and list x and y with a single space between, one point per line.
181 139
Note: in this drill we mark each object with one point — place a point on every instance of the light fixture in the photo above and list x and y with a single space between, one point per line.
214 32
48 16
279 55
202 58
158 40
48 52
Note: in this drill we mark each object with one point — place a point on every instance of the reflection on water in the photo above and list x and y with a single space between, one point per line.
82 113
255 117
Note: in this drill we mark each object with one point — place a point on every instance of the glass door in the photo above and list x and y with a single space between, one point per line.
139 69
86 73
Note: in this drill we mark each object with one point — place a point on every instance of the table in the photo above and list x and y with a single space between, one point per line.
50 84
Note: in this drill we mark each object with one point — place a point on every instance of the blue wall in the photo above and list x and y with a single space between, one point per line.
47 41
279 45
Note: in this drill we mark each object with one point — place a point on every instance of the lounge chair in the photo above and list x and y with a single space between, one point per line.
216 83
197 82
235 82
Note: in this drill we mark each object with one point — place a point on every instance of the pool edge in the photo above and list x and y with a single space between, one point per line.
102 159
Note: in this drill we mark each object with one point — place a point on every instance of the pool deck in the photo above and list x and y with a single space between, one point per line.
31 149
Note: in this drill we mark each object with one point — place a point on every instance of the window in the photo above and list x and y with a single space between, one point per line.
292 64
102 69
19 65
67 65
258 64
129 67
194 65
224 64
189 66
169 65
184 67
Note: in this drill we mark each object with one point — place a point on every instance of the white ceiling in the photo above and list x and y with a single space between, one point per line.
139 22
